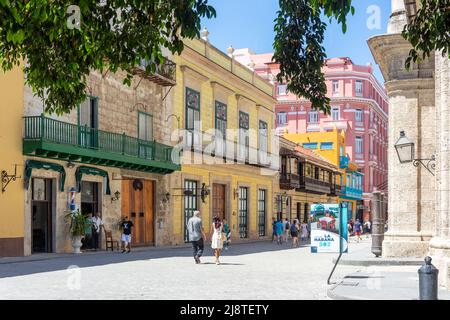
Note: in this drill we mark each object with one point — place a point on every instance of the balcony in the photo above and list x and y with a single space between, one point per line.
335 190
289 181
49 138
351 193
314 186
165 74
335 125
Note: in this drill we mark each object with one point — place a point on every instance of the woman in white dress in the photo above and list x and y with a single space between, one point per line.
217 241
304 228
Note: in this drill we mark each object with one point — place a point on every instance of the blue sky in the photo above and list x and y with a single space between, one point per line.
249 24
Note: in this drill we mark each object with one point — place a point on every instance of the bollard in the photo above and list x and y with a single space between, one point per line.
428 281
377 224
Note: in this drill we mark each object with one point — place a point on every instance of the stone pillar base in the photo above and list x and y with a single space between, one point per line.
440 253
412 245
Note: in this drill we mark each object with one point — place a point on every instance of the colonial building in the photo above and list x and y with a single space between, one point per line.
419 214
359 107
305 178
331 145
225 113
110 155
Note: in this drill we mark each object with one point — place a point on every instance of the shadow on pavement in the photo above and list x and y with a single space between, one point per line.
102 258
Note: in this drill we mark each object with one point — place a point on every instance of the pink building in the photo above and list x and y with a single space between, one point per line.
359 106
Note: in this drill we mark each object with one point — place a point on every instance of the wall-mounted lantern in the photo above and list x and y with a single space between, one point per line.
7 178
204 192
166 197
405 153
116 196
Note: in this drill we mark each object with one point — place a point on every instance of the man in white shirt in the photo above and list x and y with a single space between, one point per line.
97 224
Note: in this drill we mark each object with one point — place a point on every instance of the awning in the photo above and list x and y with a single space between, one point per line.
92 171
33 164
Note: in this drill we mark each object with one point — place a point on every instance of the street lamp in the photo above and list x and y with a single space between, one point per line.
405 153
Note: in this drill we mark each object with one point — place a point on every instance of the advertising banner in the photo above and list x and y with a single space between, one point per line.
327 220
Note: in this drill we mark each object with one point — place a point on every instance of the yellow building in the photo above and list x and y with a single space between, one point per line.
226 115
12 230
331 145
305 178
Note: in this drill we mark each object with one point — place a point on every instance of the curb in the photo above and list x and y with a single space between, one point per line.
379 262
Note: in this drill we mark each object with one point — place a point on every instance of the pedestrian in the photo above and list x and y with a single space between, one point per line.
386 226
126 234
226 230
367 226
87 240
279 231
97 225
287 228
294 233
196 235
349 228
217 238
357 228
274 229
304 231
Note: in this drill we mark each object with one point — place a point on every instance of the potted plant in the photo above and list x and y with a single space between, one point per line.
78 223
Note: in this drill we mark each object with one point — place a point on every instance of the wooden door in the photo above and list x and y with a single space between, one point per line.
148 212
218 200
137 205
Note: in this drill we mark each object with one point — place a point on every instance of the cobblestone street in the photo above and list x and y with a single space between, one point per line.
248 271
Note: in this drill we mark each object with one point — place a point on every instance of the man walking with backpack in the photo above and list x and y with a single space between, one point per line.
287 229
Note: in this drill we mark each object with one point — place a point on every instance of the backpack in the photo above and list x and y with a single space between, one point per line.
287 226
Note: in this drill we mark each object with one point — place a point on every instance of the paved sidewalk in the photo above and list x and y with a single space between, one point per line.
377 278
382 283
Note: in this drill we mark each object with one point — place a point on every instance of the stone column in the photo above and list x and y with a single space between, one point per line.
411 108
440 243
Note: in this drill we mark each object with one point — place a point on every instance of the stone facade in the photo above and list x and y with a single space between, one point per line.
118 107
418 200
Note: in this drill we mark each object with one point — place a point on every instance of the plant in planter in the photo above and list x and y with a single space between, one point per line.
78 223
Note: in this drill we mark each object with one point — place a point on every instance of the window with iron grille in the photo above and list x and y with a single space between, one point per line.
262 212
221 127
244 143
190 203
192 116
243 212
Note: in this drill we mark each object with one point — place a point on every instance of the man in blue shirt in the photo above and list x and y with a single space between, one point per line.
279 231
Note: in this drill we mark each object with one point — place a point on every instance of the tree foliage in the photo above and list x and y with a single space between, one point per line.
112 35
429 30
298 45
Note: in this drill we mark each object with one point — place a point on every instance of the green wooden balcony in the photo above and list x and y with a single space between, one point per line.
50 138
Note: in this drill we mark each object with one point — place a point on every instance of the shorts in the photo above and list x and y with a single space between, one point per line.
294 234
126 237
358 233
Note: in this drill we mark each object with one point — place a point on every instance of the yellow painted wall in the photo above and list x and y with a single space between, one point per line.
338 139
11 108
206 71
244 178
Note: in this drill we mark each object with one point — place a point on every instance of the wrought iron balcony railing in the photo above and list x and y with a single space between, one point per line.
48 137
